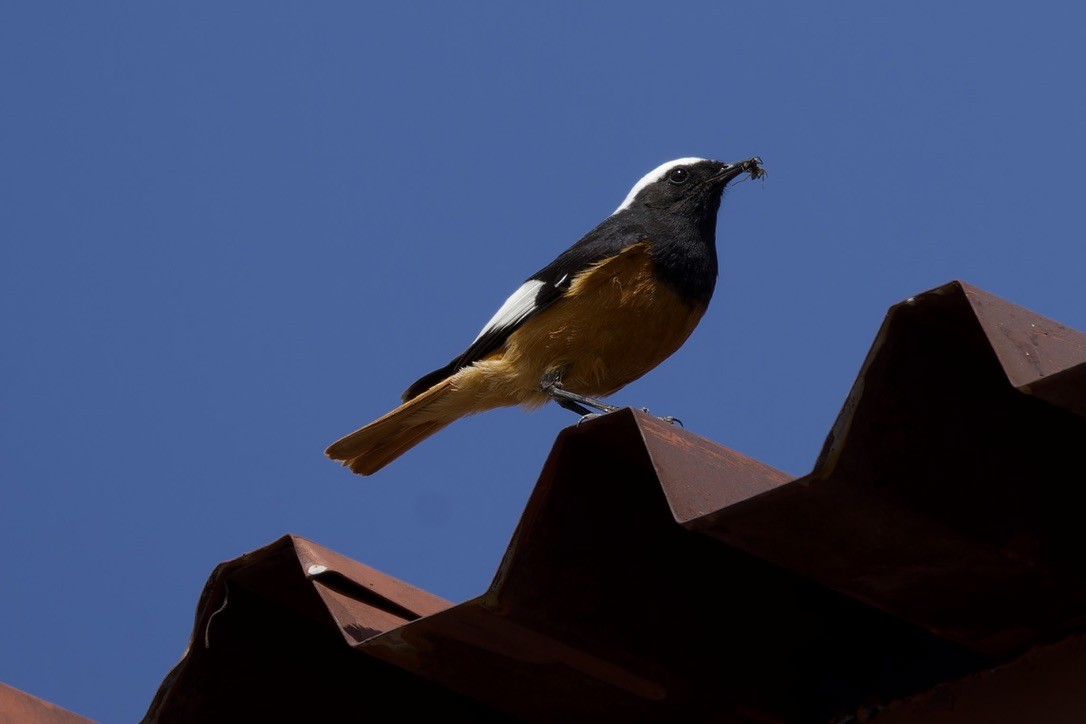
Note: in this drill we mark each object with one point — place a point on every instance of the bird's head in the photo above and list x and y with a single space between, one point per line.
687 183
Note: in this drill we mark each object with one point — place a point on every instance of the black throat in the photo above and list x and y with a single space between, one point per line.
683 239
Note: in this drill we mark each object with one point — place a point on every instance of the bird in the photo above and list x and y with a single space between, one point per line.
606 311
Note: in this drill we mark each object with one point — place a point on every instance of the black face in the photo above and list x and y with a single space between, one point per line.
689 185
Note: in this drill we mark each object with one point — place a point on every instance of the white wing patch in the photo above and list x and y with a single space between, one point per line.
516 307
652 177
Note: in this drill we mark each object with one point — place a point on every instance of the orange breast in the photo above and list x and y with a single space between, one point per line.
616 323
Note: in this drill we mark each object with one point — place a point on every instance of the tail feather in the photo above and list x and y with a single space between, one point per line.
374 446
377 458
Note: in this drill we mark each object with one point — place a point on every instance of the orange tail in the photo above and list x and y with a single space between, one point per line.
374 446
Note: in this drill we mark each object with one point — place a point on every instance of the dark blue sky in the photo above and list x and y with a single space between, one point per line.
231 233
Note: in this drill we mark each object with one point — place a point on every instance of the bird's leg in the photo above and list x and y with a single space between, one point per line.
551 384
577 403
572 406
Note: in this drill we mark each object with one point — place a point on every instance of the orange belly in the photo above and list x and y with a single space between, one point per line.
614 324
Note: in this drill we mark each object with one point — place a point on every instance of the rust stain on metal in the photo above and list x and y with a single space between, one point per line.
699 476
364 601
18 707
1028 345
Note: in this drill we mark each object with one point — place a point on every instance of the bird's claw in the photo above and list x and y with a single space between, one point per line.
669 419
589 416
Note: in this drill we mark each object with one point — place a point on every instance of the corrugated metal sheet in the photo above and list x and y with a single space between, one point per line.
272 642
945 496
656 576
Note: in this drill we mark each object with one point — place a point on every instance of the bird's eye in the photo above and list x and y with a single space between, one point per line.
678 176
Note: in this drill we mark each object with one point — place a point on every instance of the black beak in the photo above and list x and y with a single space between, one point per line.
729 171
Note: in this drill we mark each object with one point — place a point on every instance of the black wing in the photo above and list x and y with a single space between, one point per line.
538 292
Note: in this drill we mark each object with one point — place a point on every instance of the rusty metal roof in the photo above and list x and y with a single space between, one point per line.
944 495
1044 685
655 575
18 707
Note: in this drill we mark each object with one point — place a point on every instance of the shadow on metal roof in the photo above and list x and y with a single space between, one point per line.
657 576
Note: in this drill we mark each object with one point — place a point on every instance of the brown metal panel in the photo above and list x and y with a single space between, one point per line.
605 608
944 495
271 644
1040 356
938 535
18 707
699 476
1045 685
1029 346
320 563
